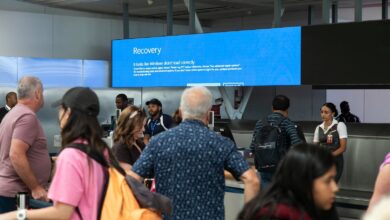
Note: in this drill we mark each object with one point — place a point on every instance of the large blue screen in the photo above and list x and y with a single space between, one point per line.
243 58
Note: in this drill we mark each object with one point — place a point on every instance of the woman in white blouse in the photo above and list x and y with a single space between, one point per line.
332 134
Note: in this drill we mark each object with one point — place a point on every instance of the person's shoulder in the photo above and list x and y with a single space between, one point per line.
166 117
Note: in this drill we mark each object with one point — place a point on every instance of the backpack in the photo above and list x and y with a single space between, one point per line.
271 145
118 200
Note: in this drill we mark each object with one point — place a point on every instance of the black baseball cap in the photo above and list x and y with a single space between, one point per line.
82 99
154 101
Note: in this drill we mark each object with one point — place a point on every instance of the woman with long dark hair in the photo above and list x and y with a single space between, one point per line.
333 135
78 181
128 142
303 187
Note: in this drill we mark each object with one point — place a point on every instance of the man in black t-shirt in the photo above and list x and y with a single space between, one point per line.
157 122
346 116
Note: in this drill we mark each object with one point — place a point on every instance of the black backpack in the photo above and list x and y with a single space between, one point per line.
271 145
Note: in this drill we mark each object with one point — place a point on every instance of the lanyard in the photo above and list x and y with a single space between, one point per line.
153 125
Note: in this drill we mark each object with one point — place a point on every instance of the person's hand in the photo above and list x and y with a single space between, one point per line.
39 193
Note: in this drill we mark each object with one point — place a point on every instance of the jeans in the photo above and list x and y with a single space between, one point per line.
7 204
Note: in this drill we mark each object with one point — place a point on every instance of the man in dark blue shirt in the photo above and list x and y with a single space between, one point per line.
292 134
157 122
188 162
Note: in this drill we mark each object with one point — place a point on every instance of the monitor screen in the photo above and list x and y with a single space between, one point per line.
243 58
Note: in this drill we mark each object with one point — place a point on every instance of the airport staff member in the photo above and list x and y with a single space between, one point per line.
157 122
11 100
121 101
188 162
24 157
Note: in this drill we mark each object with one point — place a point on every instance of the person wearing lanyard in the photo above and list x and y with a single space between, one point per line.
157 122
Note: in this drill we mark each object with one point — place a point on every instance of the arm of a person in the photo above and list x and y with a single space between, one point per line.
146 139
251 184
381 186
125 166
316 139
342 131
342 148
58 211
22 167
292 132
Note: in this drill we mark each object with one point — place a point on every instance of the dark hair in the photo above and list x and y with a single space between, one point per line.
82 125
292 183
332 108
281 102
122 96
344 107
129 120
8 96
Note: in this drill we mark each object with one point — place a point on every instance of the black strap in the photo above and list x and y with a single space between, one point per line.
277 123
90 152
79 213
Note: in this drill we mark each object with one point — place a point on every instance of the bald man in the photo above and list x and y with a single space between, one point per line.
188 162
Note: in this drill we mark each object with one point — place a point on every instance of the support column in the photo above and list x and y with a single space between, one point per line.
334 12
325 11
309 15
277 13
198 26
125 17
170 18
385 9
358 10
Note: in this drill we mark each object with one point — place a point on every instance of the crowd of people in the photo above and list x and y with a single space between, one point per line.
291 179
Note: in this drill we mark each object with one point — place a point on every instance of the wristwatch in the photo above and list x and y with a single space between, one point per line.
21 214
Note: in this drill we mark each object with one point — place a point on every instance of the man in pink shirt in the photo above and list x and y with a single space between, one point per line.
24 158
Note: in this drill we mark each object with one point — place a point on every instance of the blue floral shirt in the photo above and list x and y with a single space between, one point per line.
188 163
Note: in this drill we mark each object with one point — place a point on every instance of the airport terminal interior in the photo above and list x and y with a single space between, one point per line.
244 51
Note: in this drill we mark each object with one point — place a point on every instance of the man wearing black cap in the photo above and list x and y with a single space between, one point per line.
157 122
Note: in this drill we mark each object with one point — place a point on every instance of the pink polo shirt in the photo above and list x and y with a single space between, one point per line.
78 181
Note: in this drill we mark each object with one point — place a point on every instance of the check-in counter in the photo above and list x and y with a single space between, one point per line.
367 146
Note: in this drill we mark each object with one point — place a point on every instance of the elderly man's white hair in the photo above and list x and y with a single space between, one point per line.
27 86
195 102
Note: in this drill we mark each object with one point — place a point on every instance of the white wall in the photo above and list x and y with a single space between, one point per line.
370 105
36 31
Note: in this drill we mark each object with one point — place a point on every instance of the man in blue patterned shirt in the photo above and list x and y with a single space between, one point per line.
188 163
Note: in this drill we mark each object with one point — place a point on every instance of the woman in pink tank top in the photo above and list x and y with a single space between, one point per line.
78 182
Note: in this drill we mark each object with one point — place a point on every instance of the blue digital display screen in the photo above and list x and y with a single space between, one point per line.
8 71
95 73
244 58
52 72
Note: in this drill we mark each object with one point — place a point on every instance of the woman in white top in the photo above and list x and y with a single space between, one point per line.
332 134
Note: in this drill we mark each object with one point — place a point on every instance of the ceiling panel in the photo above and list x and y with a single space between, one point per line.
206 9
